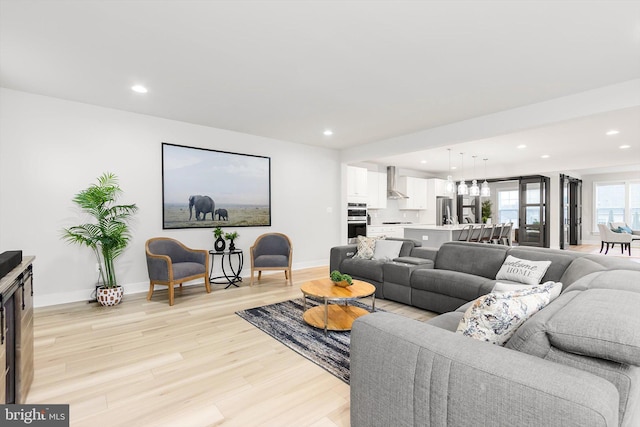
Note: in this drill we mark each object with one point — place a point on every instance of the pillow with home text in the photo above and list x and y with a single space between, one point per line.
522 270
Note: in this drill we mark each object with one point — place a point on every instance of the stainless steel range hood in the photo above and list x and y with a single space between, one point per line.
392 191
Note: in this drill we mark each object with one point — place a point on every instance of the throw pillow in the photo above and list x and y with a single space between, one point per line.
495 317
522 270
365 247
387 250
625 229
555 290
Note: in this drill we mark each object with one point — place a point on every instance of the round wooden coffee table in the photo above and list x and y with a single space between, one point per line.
339 315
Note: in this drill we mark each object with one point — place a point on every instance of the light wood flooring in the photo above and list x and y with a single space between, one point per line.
194 364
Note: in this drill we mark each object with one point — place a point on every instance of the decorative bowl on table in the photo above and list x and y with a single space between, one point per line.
341 280
342 283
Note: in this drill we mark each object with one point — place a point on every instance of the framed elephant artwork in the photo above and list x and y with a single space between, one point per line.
203 188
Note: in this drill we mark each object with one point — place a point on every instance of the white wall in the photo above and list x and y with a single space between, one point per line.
51 148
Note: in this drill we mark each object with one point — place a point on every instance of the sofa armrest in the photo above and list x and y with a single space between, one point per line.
340 253
408 373
426 253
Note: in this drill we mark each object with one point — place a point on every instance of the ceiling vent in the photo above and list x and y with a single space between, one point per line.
392 192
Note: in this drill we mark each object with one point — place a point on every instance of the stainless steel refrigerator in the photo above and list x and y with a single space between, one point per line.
444 210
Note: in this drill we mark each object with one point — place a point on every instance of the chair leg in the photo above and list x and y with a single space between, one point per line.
290 278
171 294
286 276
150 291
251 282
207 285
601 246
607 250
259 275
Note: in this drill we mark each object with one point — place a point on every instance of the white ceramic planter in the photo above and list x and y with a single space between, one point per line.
110 296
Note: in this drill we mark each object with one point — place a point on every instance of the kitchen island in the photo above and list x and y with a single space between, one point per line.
433 236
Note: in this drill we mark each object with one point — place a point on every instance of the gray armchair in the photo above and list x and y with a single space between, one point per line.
609 237
169 262
272 251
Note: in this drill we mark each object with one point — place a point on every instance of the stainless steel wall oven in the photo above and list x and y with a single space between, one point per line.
356 221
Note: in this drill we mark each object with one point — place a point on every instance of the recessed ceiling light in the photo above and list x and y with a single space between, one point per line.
423 161
454 167
327 132
624 147
613 132
545 156
139 89
521 146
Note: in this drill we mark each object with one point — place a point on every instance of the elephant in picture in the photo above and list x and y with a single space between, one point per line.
203 204
222 214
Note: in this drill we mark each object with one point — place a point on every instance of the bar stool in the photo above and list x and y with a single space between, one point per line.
488 234
476 237
465 233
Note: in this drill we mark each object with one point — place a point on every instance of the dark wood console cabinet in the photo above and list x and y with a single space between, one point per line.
16 333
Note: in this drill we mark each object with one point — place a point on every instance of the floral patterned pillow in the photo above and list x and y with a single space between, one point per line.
496 316
366 247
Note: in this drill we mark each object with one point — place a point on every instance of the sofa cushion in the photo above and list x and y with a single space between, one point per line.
448 321
365 268
579 268
472 258
387 250
602 323
466 287
496 316
522 270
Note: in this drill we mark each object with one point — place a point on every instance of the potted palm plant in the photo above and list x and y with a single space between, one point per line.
107 235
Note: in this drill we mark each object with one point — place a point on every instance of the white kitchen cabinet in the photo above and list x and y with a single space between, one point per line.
416 189
376 190
356 184
385 230
439 187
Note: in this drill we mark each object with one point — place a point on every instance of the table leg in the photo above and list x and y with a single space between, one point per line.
373 302
326 316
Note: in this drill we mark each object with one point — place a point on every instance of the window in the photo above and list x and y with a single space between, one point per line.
508 202
634 205
617 202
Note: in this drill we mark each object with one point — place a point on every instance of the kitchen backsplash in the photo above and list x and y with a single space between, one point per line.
393 214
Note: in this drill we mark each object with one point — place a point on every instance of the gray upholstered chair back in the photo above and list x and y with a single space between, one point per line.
272 244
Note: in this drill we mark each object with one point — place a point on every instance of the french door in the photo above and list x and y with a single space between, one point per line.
533 224
571 212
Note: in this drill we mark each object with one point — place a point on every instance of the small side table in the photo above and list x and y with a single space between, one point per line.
231 277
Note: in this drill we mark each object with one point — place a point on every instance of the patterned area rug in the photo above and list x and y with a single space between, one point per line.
283 321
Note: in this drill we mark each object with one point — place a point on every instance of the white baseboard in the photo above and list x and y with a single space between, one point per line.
138 287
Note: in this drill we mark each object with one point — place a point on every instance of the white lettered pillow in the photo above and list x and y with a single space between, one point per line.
366 246
495 317
387 250
522 270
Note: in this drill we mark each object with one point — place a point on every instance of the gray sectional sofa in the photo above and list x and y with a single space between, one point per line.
576 362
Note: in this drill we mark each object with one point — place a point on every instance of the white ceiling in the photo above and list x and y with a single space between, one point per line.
369 70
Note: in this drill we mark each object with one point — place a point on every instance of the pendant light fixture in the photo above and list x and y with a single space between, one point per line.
463 190
450 186
485 191
474 190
